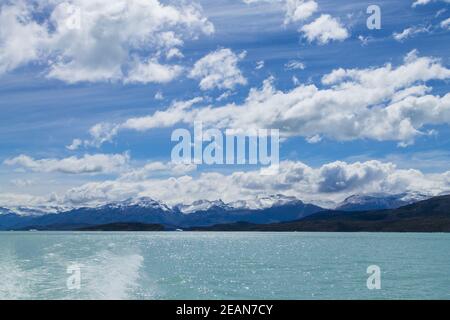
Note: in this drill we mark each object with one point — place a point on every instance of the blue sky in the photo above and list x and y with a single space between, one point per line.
41 113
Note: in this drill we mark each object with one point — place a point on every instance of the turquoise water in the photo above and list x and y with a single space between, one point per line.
181 265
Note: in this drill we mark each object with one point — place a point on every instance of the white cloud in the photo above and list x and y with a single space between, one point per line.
174 53
330 182
259 65
420 3
295 10
176 183
408 33
224 95
219 69
446 24
384 103
159 95
101 133
22 183
16 200
256 1
294 65
105 132
16 24
299 10
364 40
75 145
440 12
85 40
160 119
325 29
152 71
314 139
152 168
97 163
424 2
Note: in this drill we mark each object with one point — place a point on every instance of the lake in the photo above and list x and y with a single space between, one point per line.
189 265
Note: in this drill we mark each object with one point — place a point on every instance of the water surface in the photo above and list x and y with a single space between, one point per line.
183 265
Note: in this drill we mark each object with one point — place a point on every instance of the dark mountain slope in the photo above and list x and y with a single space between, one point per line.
431 215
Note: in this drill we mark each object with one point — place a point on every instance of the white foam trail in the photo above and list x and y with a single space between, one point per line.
13 278
110 277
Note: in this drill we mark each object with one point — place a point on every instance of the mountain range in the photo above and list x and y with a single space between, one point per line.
431 215
379 201
260 210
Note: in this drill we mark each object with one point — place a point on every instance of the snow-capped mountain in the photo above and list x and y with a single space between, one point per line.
263 202
202 205
139 210
379 201
261 209
37 210
265 209
141 202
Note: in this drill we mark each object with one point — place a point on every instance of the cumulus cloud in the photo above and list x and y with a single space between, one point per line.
160 119
91 164
175 183
299 10
16 24
152 71
331 182
157 168
325 29
384 103
17 200
101 133
105 132
81 40
219 69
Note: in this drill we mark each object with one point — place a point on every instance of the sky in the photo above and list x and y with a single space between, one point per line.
90 93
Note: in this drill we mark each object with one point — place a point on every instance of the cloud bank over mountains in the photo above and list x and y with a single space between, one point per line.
331 182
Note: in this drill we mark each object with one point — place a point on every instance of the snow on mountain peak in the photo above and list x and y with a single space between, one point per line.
379 201
34 210
264 201
202 205
142 202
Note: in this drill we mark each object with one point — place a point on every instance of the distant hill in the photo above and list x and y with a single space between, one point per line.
432 215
